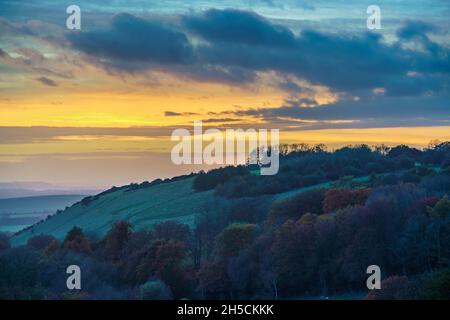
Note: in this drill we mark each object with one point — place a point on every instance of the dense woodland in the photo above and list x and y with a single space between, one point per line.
380 205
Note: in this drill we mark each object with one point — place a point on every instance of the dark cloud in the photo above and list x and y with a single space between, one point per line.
399 108
236 26
236 45
340 62
176 114
290 86
412 29
172 114
47 81
415 85
418 33
207 72
132 39
213 120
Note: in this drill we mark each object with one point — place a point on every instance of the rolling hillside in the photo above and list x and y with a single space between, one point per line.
141 207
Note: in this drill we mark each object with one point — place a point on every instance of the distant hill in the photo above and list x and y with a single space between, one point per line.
34 189
38 204
18 213
142 207
31 185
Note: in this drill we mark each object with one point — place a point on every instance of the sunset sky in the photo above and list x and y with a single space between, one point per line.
96 107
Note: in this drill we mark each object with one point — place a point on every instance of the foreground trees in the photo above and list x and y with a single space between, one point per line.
400 228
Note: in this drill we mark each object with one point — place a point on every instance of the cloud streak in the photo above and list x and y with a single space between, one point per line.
47 81
363 113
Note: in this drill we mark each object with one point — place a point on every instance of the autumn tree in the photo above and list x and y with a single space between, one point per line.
214 282
115 240
51 248
341 198
172 230
294 249
40 242
75 240
235 237
171 267
297 205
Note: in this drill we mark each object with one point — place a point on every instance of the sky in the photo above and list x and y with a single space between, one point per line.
96 107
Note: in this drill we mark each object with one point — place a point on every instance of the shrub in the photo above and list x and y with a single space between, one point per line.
40 242
235 237
154 290
76 241
436 286
296 206
341 198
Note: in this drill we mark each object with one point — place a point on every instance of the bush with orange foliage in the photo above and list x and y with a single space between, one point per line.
76 241
340 198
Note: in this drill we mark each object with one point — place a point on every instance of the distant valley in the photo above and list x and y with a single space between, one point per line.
18 213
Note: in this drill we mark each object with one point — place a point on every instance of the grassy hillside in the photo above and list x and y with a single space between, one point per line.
141 207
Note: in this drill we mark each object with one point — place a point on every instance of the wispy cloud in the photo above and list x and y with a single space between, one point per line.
47 81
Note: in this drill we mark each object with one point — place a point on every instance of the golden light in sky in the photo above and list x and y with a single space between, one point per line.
78 95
